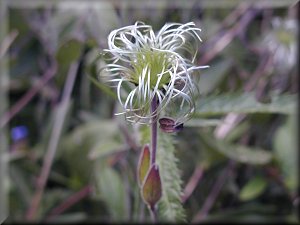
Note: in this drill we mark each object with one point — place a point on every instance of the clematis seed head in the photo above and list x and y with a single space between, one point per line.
145 65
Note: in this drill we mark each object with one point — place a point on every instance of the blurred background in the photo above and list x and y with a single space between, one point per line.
71 160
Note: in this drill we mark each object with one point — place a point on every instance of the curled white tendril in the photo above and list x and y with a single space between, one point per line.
153 65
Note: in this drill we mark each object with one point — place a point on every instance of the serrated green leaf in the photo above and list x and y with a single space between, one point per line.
244 103
170 206
253 188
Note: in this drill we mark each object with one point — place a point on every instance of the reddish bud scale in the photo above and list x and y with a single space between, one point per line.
168 125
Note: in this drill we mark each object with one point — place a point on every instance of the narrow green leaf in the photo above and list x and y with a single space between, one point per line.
240 153
286 151
253 188
103 87
89 134
245 154
69 51
105 147
202 122
244 103
237 131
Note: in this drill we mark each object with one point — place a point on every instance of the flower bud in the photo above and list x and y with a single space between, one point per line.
144 164
152 189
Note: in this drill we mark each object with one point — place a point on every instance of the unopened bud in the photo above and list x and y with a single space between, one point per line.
144 164
152 189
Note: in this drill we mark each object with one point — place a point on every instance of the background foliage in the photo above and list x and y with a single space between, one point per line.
72 160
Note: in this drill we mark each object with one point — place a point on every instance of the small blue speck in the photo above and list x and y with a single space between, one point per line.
19 132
